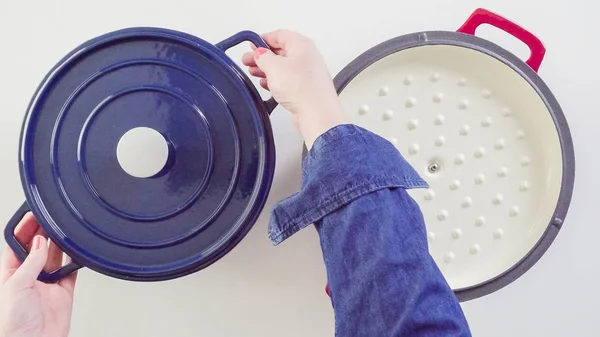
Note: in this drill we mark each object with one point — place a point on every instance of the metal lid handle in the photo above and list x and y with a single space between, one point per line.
21 252
250 36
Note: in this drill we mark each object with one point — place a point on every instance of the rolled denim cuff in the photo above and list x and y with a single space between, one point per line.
344 164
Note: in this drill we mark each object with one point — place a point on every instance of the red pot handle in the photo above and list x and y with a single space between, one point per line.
483 16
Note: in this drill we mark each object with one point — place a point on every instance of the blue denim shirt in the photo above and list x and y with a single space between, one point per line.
382 280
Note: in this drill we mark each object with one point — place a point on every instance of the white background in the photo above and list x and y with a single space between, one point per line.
258 290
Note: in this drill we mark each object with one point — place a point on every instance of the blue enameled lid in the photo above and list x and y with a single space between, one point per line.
217 146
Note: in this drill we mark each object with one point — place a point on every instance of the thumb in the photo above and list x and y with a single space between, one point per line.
266 60
28 272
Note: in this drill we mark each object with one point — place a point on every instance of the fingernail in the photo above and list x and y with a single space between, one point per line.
37 242
260 51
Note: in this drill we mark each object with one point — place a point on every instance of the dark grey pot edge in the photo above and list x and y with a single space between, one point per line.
348 73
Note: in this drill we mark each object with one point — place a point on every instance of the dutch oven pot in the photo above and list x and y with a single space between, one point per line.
484 131
217 140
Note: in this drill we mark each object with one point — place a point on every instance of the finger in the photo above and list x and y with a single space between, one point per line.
68 283
254 47
279 39
24 233
55 258
267 61
248 59
279 52
26 230
39 232
255 71
264 83
27 274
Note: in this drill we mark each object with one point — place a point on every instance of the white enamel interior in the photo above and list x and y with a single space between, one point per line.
495 144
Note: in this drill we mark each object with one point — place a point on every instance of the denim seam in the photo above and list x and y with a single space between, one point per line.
337 200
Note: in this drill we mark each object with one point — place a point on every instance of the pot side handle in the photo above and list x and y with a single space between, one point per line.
250 36
483 16
21 252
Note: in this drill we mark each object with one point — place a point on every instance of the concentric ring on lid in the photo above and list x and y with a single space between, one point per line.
210 189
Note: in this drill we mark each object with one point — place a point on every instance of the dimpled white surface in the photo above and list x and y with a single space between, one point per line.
258 290
487 147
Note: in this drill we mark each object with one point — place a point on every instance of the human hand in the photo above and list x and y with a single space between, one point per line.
297 76
28 307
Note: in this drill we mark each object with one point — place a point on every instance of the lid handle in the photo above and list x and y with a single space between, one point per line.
21 252
483 16
250 36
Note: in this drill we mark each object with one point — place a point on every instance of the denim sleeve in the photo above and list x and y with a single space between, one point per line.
382 280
